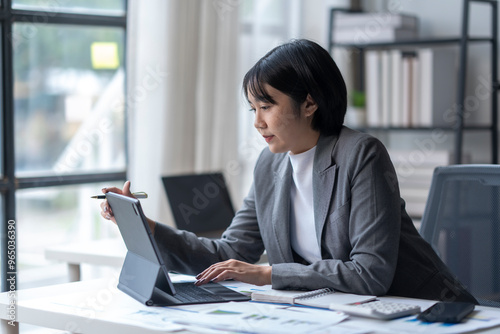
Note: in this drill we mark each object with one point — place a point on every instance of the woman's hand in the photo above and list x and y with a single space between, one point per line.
106 211
238 270
105 208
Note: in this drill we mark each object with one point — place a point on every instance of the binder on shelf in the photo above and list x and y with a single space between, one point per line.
409 88
373 91
362 28
406 87
415 92
386 88
396 94
387 19
361 35
437 85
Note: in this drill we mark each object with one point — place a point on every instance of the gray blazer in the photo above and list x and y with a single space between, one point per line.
368 243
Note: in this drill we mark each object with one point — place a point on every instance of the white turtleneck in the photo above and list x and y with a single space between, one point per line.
302 228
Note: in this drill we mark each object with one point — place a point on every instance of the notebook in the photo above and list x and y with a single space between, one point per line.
321 298
200 203
144 275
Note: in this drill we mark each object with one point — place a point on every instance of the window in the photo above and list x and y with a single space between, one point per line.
107 7
67 112
62 128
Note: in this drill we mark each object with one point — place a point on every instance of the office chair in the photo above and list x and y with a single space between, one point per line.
462 223
200 203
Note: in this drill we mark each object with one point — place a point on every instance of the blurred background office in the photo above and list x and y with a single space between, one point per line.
97 92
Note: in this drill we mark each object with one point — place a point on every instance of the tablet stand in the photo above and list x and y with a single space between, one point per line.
145 281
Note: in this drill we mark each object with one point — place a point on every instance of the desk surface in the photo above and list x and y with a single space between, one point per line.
97 306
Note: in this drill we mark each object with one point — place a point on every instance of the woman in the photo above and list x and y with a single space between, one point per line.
324 203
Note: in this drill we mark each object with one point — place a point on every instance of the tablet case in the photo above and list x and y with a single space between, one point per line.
144 275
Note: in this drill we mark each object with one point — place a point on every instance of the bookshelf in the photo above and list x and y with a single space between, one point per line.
457 127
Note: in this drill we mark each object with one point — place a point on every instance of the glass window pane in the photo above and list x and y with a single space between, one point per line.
68 99
99 7
52 216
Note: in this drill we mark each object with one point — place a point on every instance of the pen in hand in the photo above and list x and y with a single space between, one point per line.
136 195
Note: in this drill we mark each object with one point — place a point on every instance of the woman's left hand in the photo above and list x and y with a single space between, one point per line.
237 270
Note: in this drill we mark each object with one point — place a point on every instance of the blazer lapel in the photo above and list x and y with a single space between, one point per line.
281 209
324 176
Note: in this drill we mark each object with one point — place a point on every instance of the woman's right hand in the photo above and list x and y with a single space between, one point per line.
106 211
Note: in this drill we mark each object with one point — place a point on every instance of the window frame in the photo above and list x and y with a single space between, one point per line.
9 183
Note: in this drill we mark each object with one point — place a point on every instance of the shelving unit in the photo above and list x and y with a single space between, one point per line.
462 42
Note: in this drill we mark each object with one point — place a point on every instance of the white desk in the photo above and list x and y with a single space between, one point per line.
105 252
98 307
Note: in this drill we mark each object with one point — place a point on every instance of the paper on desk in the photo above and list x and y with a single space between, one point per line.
480 319
87 309
245 288
264 318
340 329
152 318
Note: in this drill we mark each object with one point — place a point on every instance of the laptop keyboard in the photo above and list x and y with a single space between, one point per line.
190 293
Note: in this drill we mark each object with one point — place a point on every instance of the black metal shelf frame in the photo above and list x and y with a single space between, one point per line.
9 181
424 128
463 42
414 42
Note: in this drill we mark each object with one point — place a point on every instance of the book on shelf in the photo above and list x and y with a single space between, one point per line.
362 28
360 35
406 90
321 298
373 88
437 85
386 19
416 81
396 77
409 88
386 88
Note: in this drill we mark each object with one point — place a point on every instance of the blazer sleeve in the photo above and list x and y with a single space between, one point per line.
186 253
361 235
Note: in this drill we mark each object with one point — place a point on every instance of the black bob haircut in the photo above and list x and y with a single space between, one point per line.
298 68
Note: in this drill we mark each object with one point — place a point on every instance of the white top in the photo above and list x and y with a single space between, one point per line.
302 228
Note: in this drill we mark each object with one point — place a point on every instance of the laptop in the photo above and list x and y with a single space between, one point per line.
144 275
200 203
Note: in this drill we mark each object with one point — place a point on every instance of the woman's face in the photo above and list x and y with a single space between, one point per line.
279 124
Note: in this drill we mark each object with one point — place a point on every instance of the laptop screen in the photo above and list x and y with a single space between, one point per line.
199 202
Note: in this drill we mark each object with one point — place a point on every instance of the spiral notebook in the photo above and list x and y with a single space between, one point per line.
321 298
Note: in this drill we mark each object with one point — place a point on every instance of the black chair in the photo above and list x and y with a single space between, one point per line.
462 223
200 203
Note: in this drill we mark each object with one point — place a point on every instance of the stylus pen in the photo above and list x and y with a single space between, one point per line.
141 194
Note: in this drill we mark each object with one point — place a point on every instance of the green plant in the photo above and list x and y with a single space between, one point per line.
358 99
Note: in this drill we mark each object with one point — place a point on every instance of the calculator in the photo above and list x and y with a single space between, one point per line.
377 309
